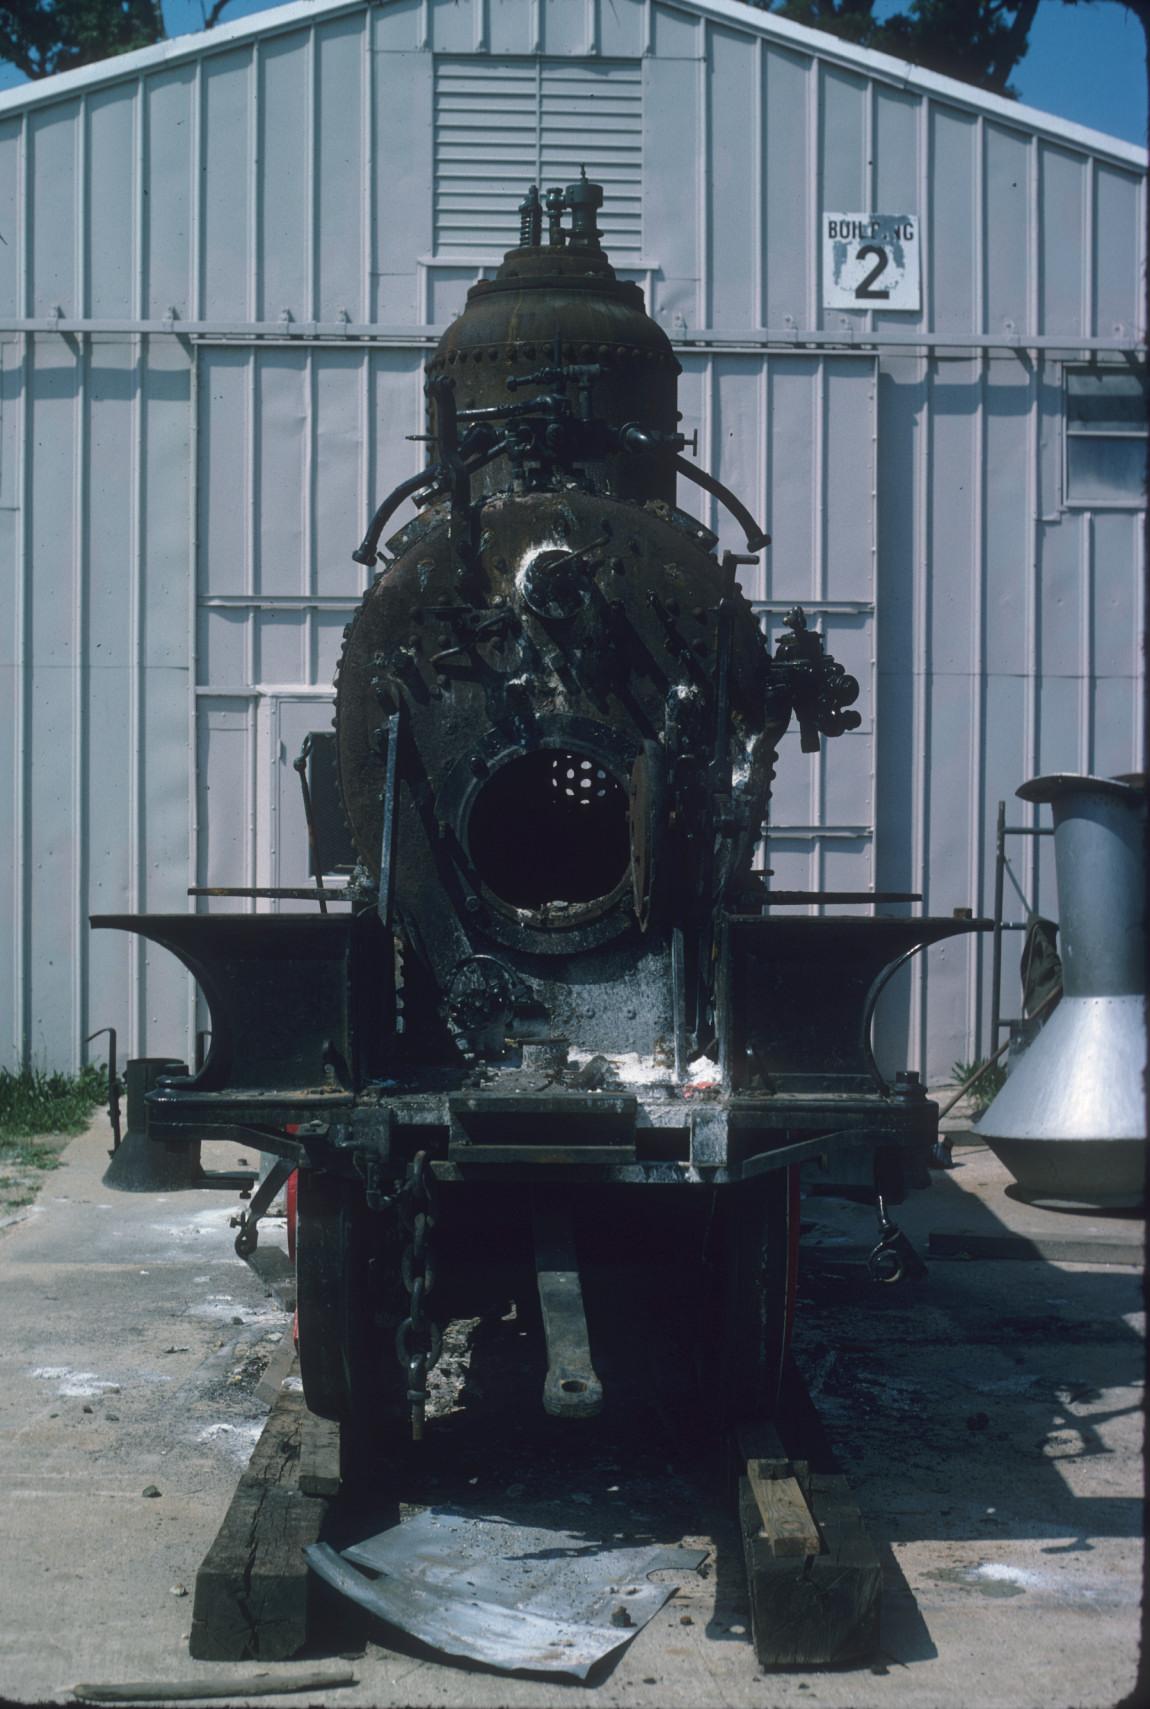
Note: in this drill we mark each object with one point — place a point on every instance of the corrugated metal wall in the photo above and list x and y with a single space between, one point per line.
223 264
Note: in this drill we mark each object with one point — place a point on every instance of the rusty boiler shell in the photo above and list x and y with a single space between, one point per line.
511 326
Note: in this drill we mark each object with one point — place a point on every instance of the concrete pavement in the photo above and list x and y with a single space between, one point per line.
989 1419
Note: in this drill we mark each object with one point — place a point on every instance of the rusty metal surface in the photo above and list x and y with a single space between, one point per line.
547 303
503 706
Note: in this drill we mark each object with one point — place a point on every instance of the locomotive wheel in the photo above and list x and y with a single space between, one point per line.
349 1301
753 1290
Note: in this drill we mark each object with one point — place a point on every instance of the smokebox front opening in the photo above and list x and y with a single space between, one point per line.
550 827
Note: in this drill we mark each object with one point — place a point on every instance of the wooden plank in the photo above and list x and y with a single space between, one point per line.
276 1271
180 1691
281 1364
787 1525
319 1457
253 1591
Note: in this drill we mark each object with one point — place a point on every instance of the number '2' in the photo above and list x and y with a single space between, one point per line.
863 288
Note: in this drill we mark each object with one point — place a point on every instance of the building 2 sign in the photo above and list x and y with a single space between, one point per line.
870 261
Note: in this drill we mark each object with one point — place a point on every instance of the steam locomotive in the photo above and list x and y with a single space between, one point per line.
562 1022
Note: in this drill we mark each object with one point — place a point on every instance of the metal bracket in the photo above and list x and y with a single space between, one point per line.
299 765
572 1389
894 1258
248 1221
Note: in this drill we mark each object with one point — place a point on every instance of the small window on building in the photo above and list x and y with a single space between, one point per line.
1105 437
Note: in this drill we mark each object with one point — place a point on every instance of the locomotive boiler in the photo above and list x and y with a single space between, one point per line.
557 1021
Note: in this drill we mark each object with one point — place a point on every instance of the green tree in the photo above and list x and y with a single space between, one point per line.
854 20
41 37
978 41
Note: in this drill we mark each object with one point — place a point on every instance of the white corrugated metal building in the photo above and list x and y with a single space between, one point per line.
223 261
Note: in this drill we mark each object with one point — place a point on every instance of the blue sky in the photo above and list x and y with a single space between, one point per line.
1086 62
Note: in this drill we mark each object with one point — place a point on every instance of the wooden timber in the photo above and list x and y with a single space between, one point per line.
254 1593
280 1366
319 1456
813 1576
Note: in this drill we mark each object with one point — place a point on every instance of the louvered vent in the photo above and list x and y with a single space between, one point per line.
502 124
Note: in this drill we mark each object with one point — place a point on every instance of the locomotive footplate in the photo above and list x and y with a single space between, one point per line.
659 1135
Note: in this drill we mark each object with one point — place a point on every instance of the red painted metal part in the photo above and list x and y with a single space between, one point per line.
290 1197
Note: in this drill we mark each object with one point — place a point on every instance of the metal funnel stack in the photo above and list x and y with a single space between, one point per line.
1070 1123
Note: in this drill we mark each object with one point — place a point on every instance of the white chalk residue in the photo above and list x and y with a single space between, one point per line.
237 1440
195 1223
80 1383
222 1308
628 1068
1005 1574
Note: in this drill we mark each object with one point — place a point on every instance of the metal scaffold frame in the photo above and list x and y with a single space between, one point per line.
1001 864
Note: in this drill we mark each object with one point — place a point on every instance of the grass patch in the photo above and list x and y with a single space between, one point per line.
30 1154
33 1103
39 1113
